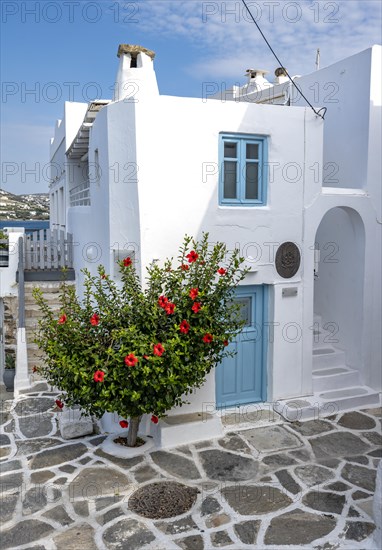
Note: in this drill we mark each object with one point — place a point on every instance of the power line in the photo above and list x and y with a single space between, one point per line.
318 113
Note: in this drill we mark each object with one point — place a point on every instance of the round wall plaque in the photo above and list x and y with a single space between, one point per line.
288 260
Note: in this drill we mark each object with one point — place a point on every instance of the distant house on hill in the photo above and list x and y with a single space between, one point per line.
257 168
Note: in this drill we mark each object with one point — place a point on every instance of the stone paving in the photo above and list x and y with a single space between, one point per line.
284 485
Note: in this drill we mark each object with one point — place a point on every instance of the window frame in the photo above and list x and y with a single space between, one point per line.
241 141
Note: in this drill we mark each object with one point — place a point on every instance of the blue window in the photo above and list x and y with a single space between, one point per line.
243 174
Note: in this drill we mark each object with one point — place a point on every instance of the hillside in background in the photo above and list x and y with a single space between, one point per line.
24 207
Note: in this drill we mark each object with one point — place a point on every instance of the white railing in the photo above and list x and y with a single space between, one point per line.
50 250
80 195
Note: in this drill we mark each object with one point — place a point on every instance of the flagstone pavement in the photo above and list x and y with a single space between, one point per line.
273 486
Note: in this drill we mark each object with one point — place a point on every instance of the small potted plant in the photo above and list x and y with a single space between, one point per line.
4 249
9 371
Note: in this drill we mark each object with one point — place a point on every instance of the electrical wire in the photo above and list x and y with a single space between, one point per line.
318 113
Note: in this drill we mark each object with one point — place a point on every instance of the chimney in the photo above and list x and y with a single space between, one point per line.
256 80
281 75
136 76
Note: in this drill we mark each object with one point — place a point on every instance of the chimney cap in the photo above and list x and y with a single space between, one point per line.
281 71
134 49
255 72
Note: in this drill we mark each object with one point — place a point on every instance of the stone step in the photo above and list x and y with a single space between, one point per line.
46 287
35 311
327 356
326 403
335 378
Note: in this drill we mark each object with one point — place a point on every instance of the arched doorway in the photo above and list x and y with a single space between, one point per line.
338 300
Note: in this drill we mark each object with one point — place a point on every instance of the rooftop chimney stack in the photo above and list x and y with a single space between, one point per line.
136 76
281 75
256 80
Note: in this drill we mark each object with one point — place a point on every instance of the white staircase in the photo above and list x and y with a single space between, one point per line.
336 387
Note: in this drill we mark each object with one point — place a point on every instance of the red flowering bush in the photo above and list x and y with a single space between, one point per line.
135 350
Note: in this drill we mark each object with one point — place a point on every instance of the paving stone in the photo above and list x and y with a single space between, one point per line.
110 515
209 506
81 508
127 534
67 468
376 452
298 527
59 514
374 412
60 481
311 474
271 438
25 532
375 438
247 531
41 386
175 465
356 421
125 463
226 466
42 476
329 462
233 442
362 477
288 482
145 473
7 506
277 460
260 499
54 456
312 427
357 459
367 507
217 520
338 486
221 538
80 537
4 439
10 466
34 426
10 426
357 495
353 513
93 483
84 460
184 450
338 444
11 482
358 530
35 499
325 502
177 527
301 454
162 500
95 441
5 451
32 446
104 502
35 406
194 542
4 417
251 417
202 445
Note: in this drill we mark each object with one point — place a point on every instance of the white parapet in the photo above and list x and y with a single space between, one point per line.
22 380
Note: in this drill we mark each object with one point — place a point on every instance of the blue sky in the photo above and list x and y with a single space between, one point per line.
52 51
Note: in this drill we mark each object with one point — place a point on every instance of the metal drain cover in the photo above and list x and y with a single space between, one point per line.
163 500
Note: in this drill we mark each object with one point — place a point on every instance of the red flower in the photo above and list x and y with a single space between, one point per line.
194 293
185 267
196 307
184 327
170 308
222 271
202 262
154 419
35 369
94 320
98 376
124 423
127 262
162 301
192 257
207 338
131 360
103 276
225 343
145 357
158 350
62 319
59 404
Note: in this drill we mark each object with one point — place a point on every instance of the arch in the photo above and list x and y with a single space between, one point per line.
339 282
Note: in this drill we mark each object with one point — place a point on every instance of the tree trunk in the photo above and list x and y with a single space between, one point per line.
133 431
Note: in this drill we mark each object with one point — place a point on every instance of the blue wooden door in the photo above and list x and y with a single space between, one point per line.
242 378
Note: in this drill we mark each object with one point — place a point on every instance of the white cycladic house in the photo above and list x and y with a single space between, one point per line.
257 168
